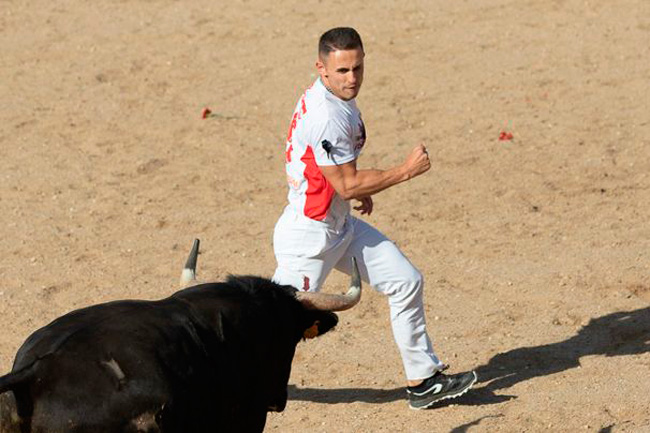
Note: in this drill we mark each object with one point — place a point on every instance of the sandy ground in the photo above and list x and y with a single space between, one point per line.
535 250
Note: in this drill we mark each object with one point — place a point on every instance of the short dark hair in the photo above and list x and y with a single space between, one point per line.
339 38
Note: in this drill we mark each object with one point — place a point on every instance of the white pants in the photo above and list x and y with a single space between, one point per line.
307 250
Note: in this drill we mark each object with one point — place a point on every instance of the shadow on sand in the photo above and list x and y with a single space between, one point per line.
616 334
346 395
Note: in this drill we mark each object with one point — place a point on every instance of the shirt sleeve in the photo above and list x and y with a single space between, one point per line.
332 143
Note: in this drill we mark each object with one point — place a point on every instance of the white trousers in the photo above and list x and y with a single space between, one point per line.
307 250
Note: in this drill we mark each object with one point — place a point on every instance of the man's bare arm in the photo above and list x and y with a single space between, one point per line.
351 183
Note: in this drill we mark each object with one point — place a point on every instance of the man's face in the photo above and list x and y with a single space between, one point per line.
342 72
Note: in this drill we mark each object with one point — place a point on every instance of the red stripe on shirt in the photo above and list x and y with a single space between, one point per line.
319 191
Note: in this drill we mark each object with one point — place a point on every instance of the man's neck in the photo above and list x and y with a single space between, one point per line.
325 85
330 90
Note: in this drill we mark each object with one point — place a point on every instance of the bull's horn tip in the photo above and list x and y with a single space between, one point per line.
356 278
193 256
189 271
354 292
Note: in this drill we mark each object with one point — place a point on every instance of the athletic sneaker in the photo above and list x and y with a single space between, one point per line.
439 387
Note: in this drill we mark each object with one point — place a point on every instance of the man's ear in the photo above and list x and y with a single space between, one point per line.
319 322
320 67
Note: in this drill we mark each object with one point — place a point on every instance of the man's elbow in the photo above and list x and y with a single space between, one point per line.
346 193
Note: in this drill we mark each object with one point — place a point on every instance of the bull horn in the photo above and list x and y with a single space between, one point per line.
188 276
326 301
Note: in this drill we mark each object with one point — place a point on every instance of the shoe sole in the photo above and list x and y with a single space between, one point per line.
448 396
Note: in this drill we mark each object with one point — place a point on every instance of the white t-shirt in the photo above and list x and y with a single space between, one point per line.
324 131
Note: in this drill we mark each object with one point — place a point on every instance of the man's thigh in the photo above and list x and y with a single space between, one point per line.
380 260
306 257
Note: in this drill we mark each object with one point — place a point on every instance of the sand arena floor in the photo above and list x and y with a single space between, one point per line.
535 250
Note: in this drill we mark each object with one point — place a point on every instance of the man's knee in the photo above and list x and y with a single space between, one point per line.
407 288
418 277
413 278
415 283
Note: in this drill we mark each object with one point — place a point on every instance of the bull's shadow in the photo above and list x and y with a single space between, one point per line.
346 395
615 334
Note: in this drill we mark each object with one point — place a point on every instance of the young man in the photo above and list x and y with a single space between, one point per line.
316 232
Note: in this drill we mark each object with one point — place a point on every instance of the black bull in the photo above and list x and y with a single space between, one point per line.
214 357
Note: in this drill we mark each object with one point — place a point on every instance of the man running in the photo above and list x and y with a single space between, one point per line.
316 232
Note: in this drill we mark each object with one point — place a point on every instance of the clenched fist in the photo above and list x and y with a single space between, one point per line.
417 161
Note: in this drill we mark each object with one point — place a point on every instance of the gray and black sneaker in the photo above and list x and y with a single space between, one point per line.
439 387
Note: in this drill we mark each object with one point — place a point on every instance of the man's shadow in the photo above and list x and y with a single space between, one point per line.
616 334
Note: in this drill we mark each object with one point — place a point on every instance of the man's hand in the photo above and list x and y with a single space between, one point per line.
365 206
417 162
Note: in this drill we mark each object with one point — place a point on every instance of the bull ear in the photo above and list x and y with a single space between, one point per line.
318 323
312 331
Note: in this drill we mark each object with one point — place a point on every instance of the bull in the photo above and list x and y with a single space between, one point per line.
213 357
